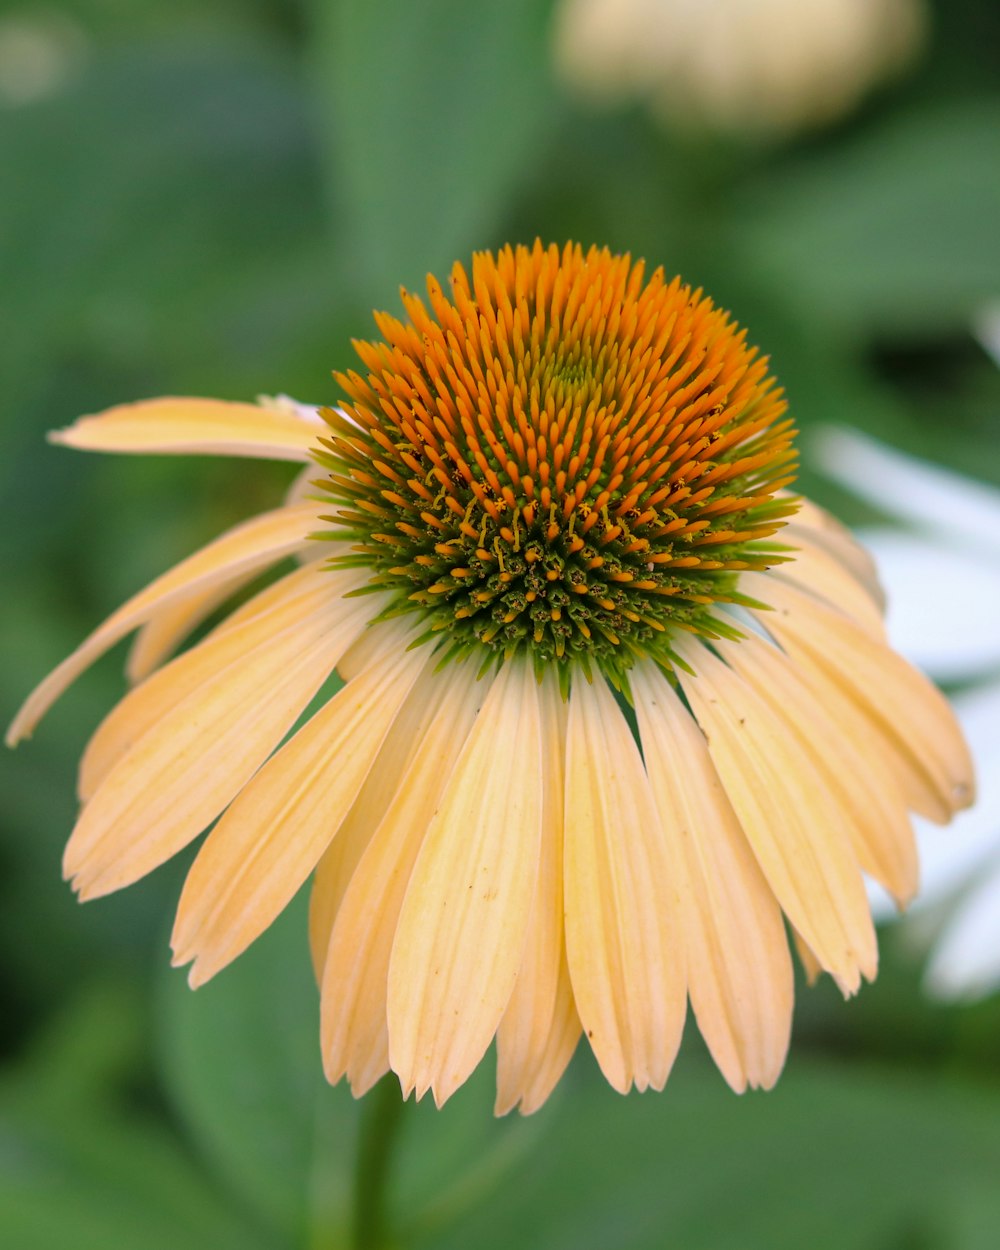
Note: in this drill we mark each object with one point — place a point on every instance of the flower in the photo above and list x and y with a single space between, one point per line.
547 506
771 66
951 545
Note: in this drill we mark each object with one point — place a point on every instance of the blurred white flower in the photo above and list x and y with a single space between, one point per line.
942 577
757 66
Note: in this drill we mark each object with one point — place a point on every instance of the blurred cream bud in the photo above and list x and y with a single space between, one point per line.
737 66
40 51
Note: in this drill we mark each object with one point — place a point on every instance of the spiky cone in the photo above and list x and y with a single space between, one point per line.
616 705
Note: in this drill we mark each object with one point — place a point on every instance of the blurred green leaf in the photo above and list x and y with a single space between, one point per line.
96 1183
833 1157
165 199
83 1165
241 1061
895 230
435 114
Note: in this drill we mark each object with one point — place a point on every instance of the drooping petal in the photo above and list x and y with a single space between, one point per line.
426 702
947 860
810 964
529 1087
791 818
164 632
194 427
192 761
912 711
167 629
524 1032
355 968
815 569
840 543
464 921
873 806
739 968
238 553
624 942
303 485
273 835
881 742
268 613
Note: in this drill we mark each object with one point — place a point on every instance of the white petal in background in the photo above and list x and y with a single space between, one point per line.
966 960
943 609
936 501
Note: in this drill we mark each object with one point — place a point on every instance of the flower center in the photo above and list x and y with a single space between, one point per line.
562 459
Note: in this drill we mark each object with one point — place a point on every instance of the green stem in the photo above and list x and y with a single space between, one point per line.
380 1120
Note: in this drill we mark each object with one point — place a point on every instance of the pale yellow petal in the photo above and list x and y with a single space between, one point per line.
266 615
271 838
529 1087
194 427
193 760
303 485
739 967
879 742
875 811
810 964
523 1035
908 709
814 569
839 542
624 943
354 1031
791 818
164 632
464 921
168 628
241 551
425 705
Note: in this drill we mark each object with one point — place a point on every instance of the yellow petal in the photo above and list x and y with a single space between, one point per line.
810 964
240 552
792 820
523 1035
839 542
194 427
879 742
273 835
623 939
267 614
529 1088
814 569
416 718
908 709
303 485
164 632
192 761
464 920
876 816
739 968
354 1032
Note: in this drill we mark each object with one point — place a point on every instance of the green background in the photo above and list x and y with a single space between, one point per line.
211 202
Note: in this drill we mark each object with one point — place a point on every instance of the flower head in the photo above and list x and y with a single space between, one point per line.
600 731
562 461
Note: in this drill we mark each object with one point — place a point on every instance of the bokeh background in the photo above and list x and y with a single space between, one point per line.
210 199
